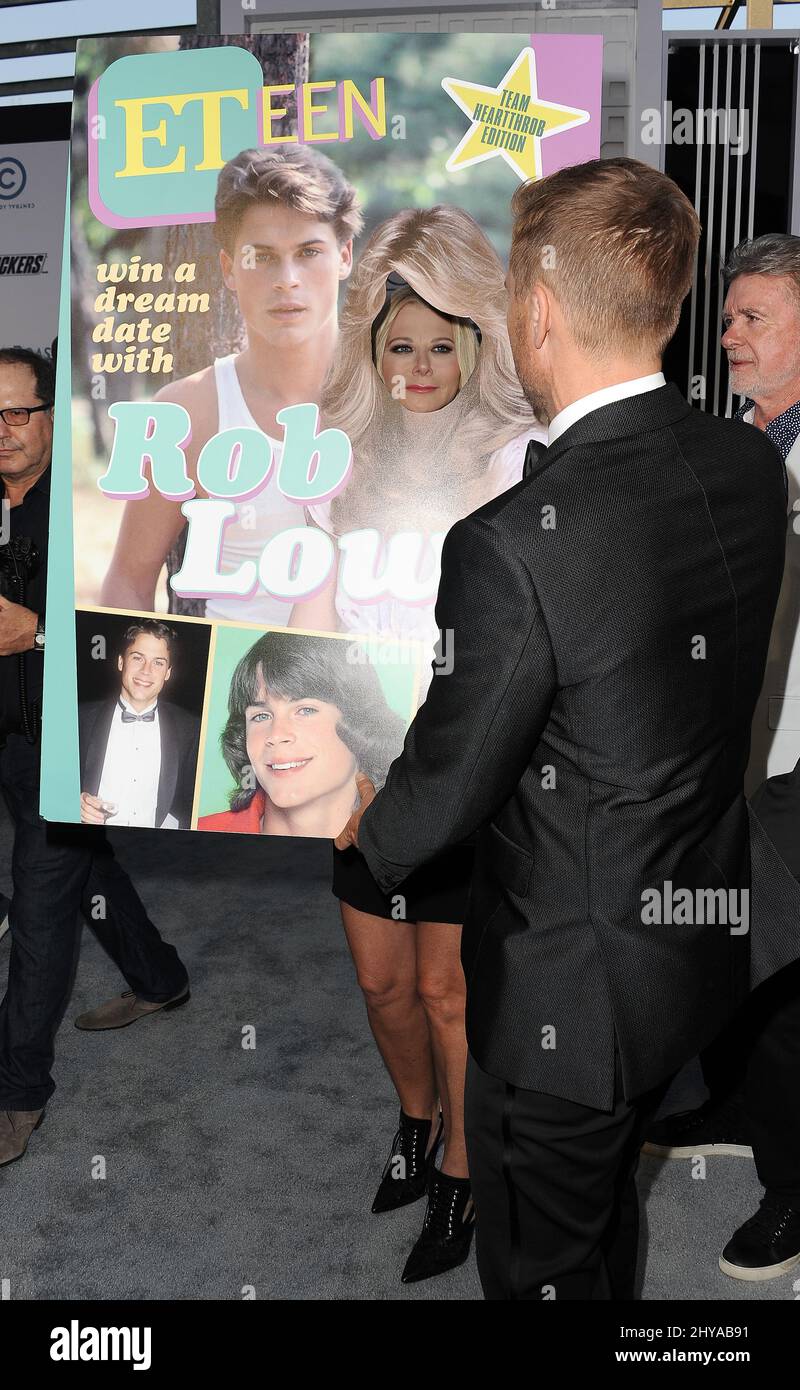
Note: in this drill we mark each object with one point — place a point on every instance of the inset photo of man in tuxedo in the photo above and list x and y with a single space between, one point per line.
140 694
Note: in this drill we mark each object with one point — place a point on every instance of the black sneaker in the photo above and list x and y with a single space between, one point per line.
765 1246
707 1131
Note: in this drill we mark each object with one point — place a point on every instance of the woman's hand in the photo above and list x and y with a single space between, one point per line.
349 836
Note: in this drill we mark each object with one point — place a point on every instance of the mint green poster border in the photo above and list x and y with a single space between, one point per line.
398 678
59 794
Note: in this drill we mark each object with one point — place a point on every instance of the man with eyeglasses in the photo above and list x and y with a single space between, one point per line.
54 869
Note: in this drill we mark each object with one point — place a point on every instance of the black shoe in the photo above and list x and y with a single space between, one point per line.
765 1246
405 1176
446 1231
710 1130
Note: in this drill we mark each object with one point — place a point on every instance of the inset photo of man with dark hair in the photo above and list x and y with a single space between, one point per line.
140 699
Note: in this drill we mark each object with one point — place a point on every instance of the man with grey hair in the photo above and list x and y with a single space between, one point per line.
762 340
753 1069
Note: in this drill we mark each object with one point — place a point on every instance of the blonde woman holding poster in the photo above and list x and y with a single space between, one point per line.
424 385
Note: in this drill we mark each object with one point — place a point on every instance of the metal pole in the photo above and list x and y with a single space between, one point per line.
754 140
723 227
712 162
697 184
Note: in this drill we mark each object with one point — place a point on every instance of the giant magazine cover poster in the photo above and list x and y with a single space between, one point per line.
284 372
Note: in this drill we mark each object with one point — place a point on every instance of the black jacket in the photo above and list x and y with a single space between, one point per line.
611 615
179 739
29 519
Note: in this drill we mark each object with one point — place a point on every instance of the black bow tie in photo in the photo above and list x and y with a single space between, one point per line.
128 718
533 455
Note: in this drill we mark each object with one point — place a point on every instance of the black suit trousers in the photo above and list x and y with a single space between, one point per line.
554 1184
119 920
56 871
756 1061
49 870
756 1064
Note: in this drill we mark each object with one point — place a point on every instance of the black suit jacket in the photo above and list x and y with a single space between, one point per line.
179 744
611 615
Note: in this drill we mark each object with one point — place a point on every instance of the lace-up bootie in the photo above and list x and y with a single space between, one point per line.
405 1176
446 1231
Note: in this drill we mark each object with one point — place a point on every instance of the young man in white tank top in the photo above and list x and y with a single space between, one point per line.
285 223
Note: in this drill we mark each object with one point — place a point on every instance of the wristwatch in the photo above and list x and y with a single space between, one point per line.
38 637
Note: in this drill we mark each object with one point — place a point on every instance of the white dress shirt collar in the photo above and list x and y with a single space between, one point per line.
577 409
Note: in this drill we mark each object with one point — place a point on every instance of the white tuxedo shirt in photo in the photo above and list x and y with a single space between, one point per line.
132 767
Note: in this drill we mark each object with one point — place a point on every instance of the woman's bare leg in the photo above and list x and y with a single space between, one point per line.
385 956
442 989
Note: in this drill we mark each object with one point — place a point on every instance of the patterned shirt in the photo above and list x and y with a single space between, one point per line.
783 430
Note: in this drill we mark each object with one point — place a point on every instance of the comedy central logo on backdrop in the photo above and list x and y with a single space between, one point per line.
512 119
13 177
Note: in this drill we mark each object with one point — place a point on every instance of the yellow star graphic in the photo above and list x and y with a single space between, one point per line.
510 120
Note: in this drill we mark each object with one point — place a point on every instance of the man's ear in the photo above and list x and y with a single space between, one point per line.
346 259
169 673
540 312
119 663
226 268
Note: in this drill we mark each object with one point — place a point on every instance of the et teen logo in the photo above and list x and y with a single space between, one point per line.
24 265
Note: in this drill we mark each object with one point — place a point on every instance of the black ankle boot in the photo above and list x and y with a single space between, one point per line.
406 1181
446 1232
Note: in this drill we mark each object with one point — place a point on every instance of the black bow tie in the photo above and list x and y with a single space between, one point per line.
533 456
128 718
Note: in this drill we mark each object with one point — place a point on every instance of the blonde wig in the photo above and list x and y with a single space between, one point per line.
464 339
423 470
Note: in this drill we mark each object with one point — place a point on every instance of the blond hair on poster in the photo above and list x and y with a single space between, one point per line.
425 470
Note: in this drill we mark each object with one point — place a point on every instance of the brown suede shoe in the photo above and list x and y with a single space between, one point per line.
124 1010
16 1128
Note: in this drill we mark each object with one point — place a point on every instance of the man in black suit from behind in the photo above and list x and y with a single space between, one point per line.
610 616
138 751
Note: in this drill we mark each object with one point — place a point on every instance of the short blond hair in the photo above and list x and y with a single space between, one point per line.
615 241
464 337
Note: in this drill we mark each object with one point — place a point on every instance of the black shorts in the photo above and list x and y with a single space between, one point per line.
435 892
